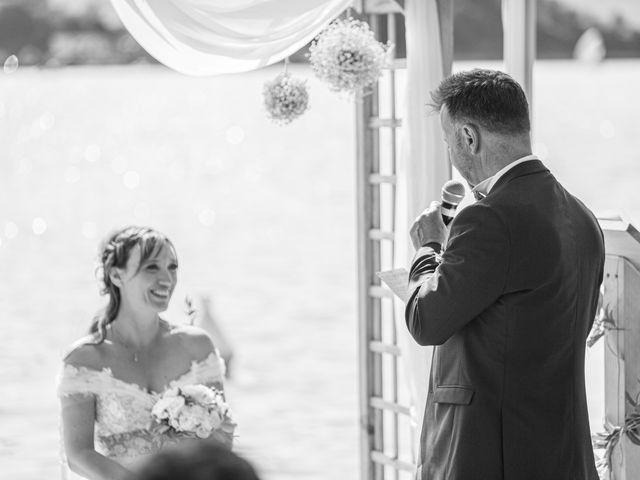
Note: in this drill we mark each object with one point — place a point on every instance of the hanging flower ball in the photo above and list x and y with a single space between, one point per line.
347 56
285 98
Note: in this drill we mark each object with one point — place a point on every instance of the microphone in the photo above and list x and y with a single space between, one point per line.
452 195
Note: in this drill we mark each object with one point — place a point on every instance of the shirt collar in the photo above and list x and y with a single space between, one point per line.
482 189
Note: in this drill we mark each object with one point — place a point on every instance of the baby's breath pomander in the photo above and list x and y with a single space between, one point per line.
347 56
285 98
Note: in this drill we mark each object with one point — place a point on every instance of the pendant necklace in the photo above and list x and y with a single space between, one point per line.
135 352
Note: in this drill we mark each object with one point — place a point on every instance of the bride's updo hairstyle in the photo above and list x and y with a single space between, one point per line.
114 253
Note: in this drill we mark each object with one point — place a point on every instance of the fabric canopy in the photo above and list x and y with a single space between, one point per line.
210 37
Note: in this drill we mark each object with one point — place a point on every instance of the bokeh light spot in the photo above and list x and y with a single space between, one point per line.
11 64
46 121
235 135
131 179
39 225
10 230
207 217
607 130
89 229
72 175
92 153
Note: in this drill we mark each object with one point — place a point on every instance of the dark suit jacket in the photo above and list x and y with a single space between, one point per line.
509 305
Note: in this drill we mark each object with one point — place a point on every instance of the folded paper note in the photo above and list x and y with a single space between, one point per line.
398 282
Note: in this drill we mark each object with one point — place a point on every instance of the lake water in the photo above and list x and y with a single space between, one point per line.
263 218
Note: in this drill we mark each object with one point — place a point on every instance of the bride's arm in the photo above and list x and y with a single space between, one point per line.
78 417
209 370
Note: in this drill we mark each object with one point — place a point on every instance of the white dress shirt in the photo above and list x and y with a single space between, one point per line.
482 189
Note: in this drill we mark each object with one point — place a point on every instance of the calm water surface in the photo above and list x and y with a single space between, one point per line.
263 220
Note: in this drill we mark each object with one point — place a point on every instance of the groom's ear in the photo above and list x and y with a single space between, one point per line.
471 137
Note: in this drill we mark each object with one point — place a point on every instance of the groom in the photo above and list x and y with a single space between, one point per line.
508 303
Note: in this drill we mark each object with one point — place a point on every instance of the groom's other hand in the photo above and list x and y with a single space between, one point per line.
429 227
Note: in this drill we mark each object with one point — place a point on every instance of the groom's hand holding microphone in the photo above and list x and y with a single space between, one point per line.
431 224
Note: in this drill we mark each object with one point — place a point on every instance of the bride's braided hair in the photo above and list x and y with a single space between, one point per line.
114 253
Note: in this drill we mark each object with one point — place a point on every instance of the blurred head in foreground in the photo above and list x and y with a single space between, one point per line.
198 460
485 121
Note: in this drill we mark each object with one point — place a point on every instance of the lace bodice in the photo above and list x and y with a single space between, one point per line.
123 410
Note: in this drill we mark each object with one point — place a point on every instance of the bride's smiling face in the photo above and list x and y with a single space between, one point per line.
150 284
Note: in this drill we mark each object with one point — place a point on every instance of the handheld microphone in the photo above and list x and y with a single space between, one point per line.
452 195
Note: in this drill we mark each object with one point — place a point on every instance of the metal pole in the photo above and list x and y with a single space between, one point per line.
364 254
391 34
368 251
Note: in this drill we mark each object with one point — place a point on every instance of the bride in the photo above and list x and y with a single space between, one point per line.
112 378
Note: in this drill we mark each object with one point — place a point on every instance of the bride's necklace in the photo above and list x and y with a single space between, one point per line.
136 351
118 339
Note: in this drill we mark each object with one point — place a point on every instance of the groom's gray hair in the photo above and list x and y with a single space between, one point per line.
490 98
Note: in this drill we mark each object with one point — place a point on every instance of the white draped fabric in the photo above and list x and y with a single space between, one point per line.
422 169
210 37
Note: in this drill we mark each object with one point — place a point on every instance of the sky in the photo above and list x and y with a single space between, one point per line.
606 9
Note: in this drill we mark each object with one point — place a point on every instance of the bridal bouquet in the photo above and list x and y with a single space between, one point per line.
194 411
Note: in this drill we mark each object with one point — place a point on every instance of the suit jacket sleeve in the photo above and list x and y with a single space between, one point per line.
451 289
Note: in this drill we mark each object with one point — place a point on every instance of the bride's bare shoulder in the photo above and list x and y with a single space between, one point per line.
85 352
194 339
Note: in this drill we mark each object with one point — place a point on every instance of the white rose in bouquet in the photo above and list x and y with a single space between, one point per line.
203 432
208 424
186 421
200 394
168 406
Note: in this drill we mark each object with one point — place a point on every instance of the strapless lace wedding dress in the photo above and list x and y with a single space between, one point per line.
123 410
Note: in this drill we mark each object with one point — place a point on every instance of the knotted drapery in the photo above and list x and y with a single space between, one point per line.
210 37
